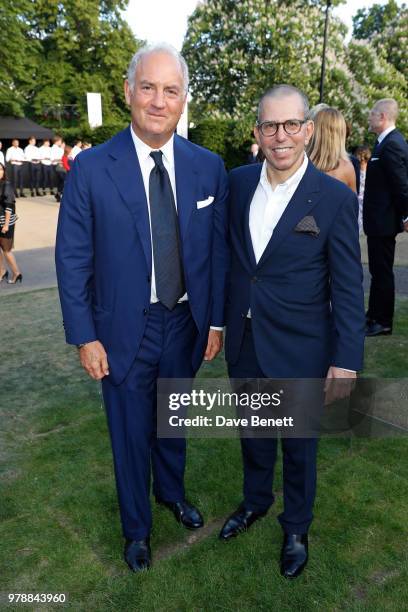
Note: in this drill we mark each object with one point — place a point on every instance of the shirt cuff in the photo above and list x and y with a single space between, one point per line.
216 328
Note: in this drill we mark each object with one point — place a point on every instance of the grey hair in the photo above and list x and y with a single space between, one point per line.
284 90
162 47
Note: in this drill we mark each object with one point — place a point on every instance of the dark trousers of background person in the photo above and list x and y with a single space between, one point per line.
299 457
60 175
35 177
46 177
381 251
17 178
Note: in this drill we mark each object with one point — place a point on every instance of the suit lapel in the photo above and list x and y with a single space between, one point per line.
300 205
126 174
248 191
186 183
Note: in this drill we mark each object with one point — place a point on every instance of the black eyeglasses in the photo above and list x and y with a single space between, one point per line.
291 126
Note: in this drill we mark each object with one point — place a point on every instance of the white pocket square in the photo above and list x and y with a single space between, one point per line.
207 202
374 158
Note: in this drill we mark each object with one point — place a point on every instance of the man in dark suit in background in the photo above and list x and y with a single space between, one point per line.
385 212
295 305
142 260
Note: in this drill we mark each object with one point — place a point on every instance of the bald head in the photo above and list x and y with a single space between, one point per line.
282 91
383 115
389 107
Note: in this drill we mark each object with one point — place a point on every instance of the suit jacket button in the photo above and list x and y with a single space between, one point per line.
148 279
145 311
243 315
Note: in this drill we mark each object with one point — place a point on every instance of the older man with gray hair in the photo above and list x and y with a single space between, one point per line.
142 261
385 212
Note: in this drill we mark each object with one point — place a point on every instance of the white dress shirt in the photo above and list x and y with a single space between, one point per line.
15 155
45 155
2 158
74 152
268 205
56 154
385 133
146 166
32 154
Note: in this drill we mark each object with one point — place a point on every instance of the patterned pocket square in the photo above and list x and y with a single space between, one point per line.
307 225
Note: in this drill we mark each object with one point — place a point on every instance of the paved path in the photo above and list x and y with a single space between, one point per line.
35 239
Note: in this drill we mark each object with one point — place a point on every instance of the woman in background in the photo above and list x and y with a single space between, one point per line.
8 219
363 154
327 147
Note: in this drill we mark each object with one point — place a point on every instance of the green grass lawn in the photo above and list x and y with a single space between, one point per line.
60 531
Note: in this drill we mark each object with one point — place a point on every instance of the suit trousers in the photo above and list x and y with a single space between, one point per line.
259 457
165 352
381 251
17 177
35 176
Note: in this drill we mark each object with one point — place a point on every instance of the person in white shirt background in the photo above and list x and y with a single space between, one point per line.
32 156
77 148
15 156
2 162
45 157
57 151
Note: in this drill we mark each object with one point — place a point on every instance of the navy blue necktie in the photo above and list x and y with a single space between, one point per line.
168 266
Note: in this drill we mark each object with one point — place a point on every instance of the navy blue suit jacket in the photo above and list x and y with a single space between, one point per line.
104 255
305 293
386 187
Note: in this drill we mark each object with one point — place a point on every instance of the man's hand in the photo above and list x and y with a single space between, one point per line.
335 388
94 360
4 229
214 344
405 226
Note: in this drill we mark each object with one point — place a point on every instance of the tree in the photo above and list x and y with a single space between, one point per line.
86 46
386 28
54 52
18 56
236 50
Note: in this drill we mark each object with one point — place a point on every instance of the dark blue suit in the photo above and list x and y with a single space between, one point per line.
104 266
307 308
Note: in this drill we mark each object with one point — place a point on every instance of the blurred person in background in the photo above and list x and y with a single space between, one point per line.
57 151
32 155
77 148
45 156
15 156
327 147
8 219
2 162
363 155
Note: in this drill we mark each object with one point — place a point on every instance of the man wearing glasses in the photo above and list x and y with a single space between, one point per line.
295 305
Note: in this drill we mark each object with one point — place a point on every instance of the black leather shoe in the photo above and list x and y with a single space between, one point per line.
239 522
294 554
185 513
376 329
137 554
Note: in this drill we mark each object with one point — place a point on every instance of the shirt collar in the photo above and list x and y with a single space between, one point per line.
385 133
292 181
143 150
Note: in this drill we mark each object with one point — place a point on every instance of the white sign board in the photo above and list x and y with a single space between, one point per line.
94 103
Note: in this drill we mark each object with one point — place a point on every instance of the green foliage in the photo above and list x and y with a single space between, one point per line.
59 51
386 27
219 135
236 50
18 56
368 22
